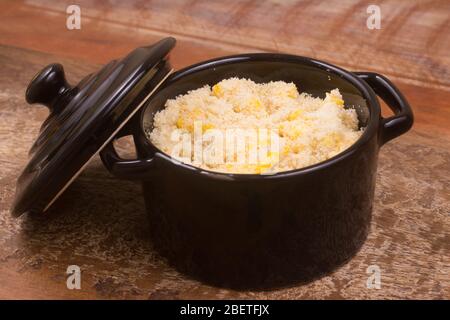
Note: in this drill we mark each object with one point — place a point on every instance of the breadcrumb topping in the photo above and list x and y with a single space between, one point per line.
308 129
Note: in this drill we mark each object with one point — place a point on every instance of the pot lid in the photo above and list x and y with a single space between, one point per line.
83 119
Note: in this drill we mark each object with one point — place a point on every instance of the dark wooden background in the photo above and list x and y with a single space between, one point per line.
99 223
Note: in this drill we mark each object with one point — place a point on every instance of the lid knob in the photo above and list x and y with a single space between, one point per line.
47 86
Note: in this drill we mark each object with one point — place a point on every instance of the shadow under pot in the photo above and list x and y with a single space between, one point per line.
249 231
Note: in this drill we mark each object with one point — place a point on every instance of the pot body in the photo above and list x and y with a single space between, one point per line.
257 231
259 234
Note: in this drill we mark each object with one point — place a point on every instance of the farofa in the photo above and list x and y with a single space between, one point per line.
310 130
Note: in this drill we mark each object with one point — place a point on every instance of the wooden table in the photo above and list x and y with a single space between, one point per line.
99 224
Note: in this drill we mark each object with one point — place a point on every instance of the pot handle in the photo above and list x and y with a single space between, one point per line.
125 168
403 117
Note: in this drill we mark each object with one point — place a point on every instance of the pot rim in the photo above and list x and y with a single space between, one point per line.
366 91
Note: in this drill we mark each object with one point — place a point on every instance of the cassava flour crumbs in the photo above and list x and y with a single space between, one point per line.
307 130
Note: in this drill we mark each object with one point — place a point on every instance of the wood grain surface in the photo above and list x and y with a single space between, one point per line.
99 223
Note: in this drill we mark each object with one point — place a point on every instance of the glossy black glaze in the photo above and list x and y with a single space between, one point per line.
258 231
82 119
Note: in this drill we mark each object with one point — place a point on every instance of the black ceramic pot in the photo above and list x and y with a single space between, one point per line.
262 231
